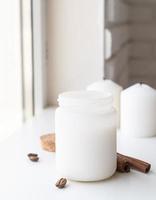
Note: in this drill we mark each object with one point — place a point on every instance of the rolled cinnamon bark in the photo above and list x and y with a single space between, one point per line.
122 165
135 163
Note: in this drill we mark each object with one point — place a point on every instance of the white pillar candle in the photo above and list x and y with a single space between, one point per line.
85 126
138 111
109 86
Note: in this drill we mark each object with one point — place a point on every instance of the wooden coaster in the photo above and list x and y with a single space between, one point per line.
48 142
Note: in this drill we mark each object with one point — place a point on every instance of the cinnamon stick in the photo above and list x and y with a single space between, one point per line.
122 165
134 163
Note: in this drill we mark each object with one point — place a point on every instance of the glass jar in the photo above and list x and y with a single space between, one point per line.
85 127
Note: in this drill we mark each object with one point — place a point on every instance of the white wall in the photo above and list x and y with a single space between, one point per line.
117 41
75 44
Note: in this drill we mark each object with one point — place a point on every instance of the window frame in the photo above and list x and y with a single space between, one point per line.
27 59
33 50
39 54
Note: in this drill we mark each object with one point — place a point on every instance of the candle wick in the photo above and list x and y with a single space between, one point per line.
141 83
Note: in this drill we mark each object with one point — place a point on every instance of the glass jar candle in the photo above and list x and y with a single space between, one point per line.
85 127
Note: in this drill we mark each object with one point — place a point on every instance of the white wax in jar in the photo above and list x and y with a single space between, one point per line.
85 126
108 86
138 111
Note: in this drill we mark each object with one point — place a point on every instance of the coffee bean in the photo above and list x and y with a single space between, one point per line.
61 183
33 157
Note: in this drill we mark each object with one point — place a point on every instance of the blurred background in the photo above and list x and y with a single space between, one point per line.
131 41
51 46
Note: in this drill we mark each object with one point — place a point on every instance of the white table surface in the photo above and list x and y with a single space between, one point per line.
21 179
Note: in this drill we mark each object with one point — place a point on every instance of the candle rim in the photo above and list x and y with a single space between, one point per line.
85 97
140 89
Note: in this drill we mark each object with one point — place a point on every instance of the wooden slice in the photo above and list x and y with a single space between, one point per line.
48 142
